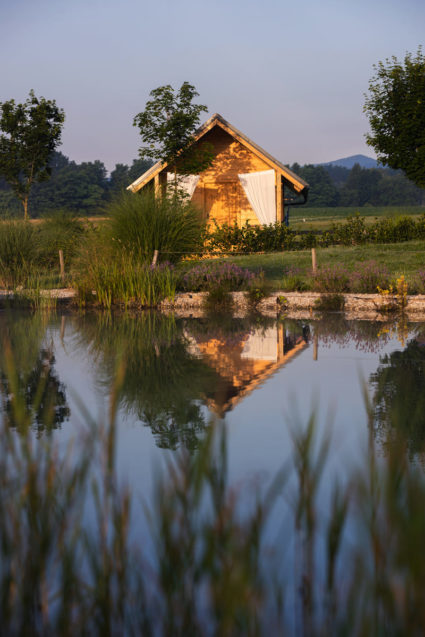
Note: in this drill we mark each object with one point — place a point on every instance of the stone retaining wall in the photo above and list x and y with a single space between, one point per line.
370 306
366 305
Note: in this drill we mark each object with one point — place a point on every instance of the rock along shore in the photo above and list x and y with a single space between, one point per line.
296 304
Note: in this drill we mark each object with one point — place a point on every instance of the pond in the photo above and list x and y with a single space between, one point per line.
259 379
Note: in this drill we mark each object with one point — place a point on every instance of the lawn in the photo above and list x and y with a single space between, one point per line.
399 258
301 218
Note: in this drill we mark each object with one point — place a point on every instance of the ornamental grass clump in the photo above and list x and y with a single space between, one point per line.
142 223
61 231
109 279
227 276
368 276
18 252
332 278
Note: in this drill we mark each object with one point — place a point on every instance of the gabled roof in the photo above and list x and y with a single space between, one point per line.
298 184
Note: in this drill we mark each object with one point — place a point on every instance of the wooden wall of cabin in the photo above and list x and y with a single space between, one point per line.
219 193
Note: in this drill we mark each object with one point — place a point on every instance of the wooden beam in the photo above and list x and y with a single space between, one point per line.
156 185
279 199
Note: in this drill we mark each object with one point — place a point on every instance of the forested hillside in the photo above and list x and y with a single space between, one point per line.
82 189
337 186
85 188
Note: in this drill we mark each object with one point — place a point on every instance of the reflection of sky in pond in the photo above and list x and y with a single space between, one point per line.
258 421
261 379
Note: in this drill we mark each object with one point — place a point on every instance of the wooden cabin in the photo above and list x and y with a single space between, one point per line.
244 183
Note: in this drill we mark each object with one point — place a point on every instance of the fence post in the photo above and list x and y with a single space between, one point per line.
155 257
62 265
313 260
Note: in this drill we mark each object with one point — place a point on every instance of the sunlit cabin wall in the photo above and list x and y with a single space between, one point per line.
219 193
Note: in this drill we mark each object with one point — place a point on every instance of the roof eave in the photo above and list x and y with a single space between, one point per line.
296 182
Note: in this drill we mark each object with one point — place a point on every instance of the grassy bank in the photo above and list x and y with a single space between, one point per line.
114 259
399 258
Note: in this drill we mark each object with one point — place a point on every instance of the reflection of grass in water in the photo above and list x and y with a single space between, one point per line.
24 331
163 383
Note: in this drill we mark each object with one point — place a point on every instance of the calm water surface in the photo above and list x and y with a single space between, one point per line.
261 378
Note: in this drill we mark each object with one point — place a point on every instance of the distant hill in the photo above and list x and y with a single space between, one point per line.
348 162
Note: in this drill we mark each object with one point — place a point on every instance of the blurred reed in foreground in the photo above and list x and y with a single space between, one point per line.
71 563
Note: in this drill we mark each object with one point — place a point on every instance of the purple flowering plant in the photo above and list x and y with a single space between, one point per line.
217 275
420 279
331 278
368 276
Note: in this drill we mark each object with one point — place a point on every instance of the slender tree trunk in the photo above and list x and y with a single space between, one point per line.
25 205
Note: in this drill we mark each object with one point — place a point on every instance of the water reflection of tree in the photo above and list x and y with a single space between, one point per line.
39 392
399 398
27 375
163 382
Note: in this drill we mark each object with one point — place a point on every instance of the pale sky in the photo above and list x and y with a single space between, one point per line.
290 75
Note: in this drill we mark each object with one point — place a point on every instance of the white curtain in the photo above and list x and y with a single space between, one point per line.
260 191
187 183
261 345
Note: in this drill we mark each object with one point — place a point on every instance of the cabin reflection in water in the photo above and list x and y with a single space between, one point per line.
245 360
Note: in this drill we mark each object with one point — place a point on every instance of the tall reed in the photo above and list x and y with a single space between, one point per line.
121 279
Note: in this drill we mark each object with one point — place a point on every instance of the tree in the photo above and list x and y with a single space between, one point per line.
322 191
395 107
167 127
123 175
361 187
30 134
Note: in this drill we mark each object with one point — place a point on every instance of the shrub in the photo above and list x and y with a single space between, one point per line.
218 298
143 223
211 275
352 232
394 230
232 238
368 276
331 279
294 280
258 290
330 303
18 253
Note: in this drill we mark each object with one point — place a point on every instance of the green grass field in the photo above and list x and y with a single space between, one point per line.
399 258
301 218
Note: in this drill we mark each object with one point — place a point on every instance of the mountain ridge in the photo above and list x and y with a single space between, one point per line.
348 162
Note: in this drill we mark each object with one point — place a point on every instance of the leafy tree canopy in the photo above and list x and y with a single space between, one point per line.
395 107
30 132
167 127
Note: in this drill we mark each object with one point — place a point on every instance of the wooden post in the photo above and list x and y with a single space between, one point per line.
315 345
155 257
62 332
279 207
62 265
313 260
